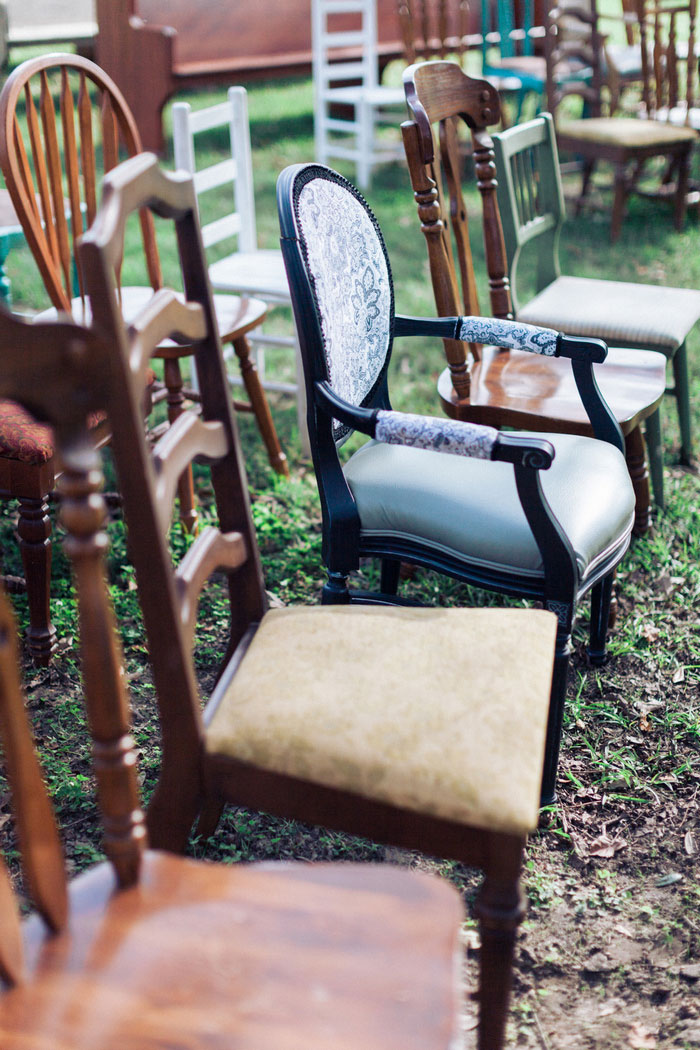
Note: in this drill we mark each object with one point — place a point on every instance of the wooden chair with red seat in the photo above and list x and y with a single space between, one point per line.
153 950
487 384
63 122
375 721
627 143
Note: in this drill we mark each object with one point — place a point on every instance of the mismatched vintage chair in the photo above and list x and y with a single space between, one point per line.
627 143
413 726
157 951
644 316
246 269
339 28
63 121
508 50
486 384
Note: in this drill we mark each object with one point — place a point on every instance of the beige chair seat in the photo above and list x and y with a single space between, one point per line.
627 132
469 508
642 315
445 722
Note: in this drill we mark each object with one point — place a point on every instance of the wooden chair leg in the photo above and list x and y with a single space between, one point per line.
680 203
619 199
261 409
185 487
682 393
655 456
499 910
556 706
635 454
601 597
391 571
34 531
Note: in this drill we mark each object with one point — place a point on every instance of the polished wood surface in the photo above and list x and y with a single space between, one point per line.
500 388
192 782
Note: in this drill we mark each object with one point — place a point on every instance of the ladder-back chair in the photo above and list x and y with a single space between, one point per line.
626 143
486 384
331 716
644 316
346 84
153 950
63 122
246 269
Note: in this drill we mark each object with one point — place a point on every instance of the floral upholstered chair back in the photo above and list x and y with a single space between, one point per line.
348 270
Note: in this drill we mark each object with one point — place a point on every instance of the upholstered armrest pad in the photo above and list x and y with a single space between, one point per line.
438 435
511 334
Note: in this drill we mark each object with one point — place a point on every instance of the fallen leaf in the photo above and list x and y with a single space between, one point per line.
678 675
624 930
645 725
670 879
641 1038
650 633
689 843
604 846
691 971
599 963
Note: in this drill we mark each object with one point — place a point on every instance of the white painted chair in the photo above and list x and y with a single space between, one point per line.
336 83
247 270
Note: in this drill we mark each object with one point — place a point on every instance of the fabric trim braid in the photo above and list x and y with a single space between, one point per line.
437 435
512 334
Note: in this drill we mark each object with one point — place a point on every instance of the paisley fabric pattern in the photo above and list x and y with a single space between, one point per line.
512 334
352 284
438 435
21 437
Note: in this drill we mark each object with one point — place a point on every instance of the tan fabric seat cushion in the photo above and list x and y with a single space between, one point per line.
440 711
628 132
470 509
648 316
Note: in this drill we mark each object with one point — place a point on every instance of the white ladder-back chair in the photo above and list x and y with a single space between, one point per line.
336 79
248 270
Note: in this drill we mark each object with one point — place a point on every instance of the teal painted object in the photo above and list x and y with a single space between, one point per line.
498 29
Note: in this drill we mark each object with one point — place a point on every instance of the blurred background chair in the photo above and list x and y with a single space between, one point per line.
405 762
247 269
139 950
487 384
339 28
648 317
508 50
626 143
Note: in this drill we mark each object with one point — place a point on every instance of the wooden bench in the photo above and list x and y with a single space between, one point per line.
154 48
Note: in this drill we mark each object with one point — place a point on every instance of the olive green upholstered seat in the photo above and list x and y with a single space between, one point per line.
446 724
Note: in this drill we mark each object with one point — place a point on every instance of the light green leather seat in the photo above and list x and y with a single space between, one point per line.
434 498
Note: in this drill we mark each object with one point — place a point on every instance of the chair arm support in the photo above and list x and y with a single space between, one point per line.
439 435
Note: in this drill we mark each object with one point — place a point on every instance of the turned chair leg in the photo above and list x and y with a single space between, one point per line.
260 406
335 589
499 910
601 597
185 486
556 705
635 454
655 455
682 393
34 531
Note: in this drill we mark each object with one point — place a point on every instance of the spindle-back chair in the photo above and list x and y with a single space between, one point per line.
63 123
153 950
278 732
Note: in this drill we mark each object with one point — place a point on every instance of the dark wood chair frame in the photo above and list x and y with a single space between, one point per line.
192 782
343 543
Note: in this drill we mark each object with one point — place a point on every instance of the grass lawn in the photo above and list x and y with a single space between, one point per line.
609 952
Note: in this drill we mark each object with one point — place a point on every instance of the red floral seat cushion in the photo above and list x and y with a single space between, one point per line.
22 438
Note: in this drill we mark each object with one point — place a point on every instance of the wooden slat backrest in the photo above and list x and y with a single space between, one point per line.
667 33
441 96
435 28
74 368
169 597
573 40
77 126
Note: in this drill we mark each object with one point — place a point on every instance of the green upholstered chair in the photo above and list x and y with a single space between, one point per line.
398 497
648 317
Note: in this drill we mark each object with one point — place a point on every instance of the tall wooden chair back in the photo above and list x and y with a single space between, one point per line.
139 951
573 42
435 29
63 123
668 33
